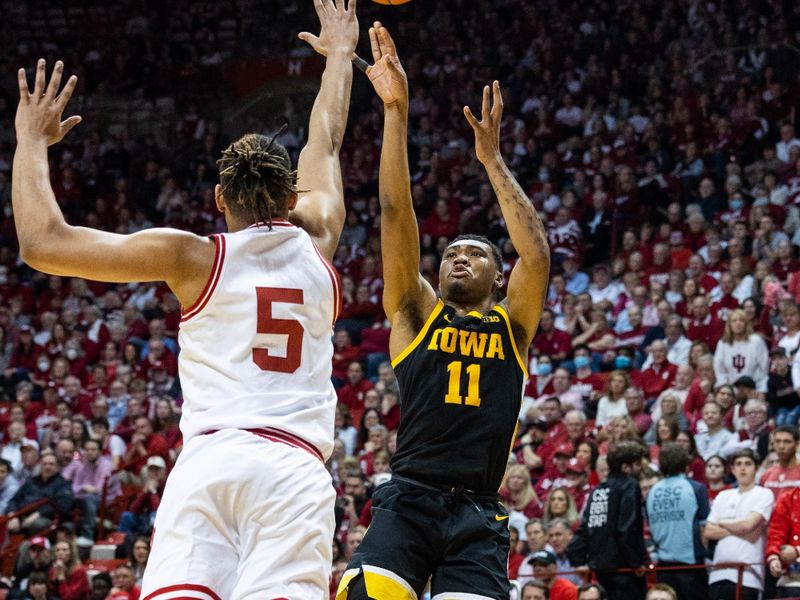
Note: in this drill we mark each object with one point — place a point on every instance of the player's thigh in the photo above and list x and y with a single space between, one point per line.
477 566
401 546
194 541
286 525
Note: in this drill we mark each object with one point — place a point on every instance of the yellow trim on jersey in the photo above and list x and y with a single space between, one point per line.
505 316
382 584
347 577
474 313
421 335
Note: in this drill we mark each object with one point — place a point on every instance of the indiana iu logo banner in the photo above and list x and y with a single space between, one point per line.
738 362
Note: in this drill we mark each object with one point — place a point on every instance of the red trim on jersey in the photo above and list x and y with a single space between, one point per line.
274 434
275 223
189 587
213 279
337 285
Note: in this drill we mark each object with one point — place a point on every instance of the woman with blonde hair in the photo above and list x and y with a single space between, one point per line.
741 352
612 404
517 492
67 575
560 504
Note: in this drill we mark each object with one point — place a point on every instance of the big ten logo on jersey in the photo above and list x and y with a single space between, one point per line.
467 343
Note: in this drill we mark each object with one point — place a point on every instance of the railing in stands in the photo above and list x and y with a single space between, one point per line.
12 541
650 571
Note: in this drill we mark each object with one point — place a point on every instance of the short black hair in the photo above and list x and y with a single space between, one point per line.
673 459
6 463
496 254
790 429
37 577
625 453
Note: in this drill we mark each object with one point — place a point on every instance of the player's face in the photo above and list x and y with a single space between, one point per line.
467 273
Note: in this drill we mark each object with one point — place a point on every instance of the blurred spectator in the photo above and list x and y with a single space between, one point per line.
741 352
755 434
611 533
90 478
784 476
67 575
782 543
738 521
711 441
676 511
545 570
47 485
138 519
124 584
592 591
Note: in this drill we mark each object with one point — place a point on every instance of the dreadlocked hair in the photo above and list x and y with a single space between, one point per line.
256 176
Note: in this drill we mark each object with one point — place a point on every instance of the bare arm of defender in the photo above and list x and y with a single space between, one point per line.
320 205
527 285
49 244
407 296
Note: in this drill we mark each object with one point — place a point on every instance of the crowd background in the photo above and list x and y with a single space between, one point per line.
656 139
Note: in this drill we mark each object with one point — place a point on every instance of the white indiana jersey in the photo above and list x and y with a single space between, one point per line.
256 346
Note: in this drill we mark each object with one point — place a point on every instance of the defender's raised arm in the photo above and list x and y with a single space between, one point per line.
320 206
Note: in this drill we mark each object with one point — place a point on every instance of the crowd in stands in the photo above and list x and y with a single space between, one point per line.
658 142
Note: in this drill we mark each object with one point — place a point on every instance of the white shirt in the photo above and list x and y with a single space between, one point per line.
709 444
749 357
734 505
256 347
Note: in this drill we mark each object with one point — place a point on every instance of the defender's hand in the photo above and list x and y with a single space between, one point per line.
39 113
487 130
387 74
339 27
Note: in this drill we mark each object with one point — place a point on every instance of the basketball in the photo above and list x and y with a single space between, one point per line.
391 2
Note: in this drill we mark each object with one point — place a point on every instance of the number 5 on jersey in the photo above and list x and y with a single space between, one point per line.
454 387
291 328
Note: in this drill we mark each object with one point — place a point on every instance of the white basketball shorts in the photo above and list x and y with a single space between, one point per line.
243 516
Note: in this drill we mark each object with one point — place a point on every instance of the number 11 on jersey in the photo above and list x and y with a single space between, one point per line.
454 387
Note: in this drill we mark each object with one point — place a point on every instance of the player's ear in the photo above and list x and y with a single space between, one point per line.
292 201
219 199
498 279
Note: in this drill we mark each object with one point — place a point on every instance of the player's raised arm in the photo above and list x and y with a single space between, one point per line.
527 286
320 206
49 244
404 287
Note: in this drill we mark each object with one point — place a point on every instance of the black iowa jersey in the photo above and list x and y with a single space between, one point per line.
461 383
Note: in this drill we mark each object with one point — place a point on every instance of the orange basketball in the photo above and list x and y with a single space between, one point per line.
391 2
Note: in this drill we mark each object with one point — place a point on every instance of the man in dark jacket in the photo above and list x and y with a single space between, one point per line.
611 534
48 484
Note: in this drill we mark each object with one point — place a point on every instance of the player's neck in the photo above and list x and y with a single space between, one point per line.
463 308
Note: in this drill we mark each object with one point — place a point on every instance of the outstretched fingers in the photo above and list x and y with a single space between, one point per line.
55 81
485 111
387 43
497 102
351 6
471 118
374 45
24 92
319 6
38 86
66 93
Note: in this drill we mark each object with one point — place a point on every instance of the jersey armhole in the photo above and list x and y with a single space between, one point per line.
421 335
213 279
513 341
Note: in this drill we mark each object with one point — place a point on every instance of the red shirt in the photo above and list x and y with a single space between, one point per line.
722 307
563 589
709 330
352 396
553 342
781 480
656 378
